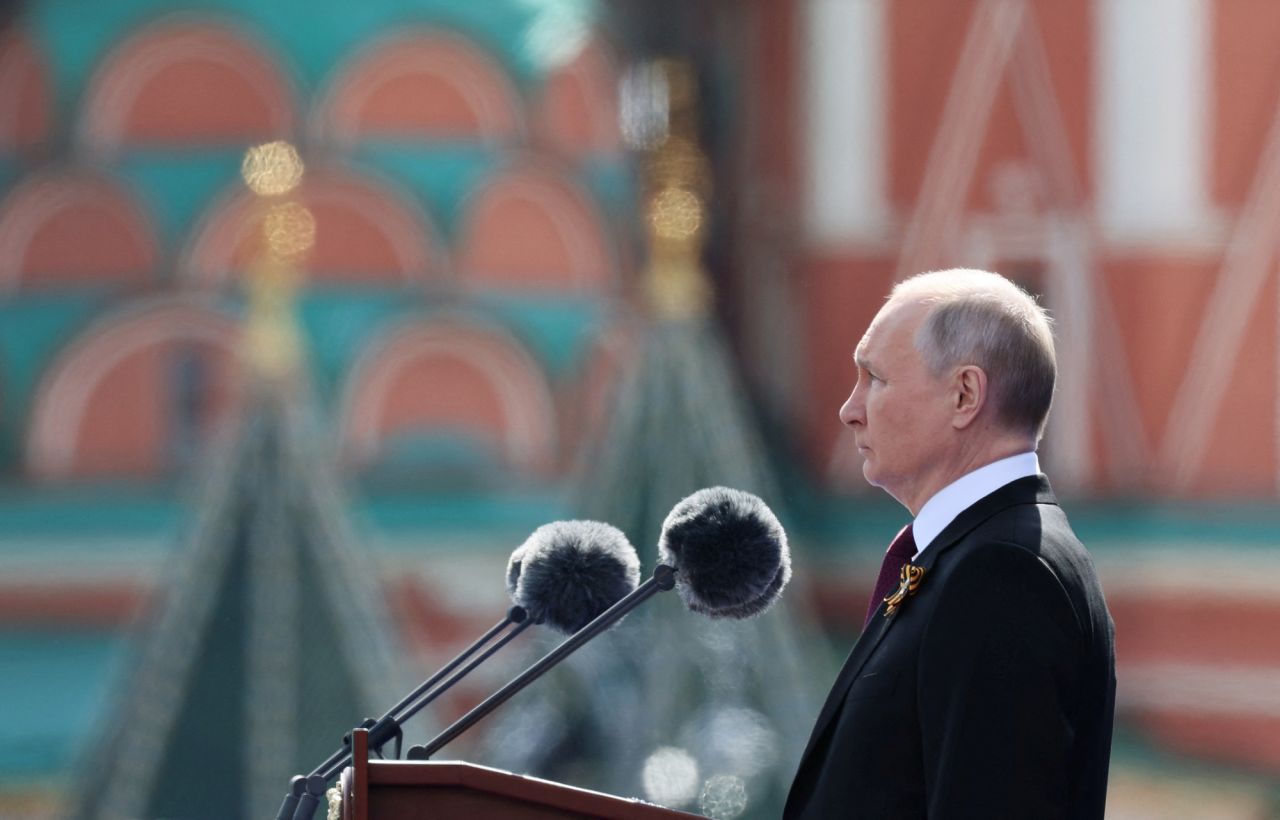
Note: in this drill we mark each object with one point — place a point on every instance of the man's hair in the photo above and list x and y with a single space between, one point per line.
980 318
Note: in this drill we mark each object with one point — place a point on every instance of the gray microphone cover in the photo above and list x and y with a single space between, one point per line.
568 572
729 550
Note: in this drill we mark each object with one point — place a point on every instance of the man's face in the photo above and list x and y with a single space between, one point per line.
899 412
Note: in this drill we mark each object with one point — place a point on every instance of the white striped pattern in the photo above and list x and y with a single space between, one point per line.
1191 689
1248 262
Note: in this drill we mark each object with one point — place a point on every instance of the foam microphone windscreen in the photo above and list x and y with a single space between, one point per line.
729 551
568 572
514 565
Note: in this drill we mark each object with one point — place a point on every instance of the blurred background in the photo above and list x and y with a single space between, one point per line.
272 420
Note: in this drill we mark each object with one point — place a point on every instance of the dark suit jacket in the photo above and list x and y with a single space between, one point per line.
989 694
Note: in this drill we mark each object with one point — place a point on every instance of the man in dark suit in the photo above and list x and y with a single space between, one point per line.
983 684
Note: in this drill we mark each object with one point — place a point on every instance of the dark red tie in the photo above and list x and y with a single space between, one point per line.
900 553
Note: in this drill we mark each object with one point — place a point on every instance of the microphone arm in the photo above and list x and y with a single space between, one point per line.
663 579
305 793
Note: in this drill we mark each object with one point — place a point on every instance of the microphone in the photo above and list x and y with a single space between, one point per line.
730 552
722 548
569 572
564 575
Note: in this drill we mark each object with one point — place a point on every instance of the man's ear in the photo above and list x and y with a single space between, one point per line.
969 391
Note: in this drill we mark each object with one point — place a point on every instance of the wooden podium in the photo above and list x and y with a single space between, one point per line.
407 790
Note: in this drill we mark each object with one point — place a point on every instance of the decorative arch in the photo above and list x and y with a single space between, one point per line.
25 115
531 228
366 232
430 85
70 227
450 373
131 389
186 82
576 111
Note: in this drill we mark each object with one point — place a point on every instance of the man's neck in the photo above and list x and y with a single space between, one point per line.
943 507
966 462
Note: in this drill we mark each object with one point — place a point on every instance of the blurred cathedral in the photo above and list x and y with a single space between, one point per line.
311 312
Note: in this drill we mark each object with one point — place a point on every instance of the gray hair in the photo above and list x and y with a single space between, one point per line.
981 318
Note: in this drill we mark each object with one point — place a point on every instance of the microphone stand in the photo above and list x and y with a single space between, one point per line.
663 579
305 793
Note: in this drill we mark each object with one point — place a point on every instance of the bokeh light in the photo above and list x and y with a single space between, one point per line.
675 214
733 739
272 169
290 230
559 32
670 776
723 797
644 106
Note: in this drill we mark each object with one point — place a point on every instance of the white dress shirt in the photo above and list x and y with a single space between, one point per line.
964 492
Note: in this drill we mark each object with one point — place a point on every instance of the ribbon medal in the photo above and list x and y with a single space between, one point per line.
908 582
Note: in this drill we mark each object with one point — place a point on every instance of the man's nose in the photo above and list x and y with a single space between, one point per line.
851 411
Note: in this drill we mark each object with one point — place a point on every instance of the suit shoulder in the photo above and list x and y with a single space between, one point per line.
1000 580
983 561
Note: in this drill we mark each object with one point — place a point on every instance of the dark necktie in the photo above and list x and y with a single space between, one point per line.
900 553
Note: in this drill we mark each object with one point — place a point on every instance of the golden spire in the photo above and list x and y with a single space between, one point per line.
272 342
678 183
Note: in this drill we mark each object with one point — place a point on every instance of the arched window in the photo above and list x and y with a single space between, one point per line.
73 228
576 111
425 85
186 83
25 116
136 394
531 229
447 388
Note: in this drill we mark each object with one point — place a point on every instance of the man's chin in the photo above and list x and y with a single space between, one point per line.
876 479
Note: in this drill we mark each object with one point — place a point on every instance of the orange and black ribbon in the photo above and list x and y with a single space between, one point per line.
908 582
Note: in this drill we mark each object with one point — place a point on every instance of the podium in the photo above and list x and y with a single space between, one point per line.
410 790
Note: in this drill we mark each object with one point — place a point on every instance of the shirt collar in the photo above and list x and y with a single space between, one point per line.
965 491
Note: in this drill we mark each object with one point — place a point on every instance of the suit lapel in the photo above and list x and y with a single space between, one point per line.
1029 490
